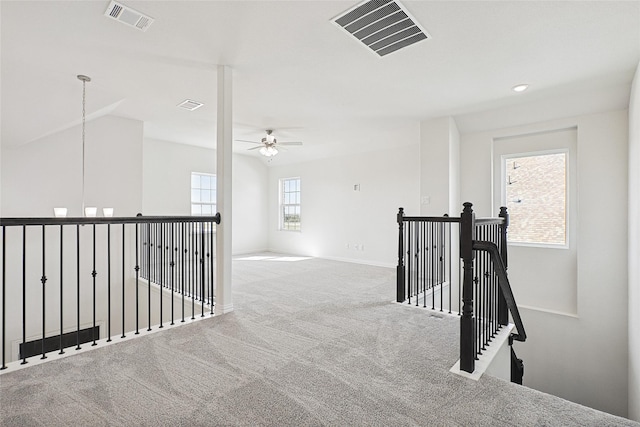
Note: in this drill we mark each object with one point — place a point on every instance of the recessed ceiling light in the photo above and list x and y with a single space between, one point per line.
520 88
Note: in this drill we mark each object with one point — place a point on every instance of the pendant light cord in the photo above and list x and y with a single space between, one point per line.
84 80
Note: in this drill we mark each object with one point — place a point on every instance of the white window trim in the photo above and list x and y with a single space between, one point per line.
281 204
503 195
191 203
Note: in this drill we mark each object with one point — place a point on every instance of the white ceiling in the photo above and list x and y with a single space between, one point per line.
296 72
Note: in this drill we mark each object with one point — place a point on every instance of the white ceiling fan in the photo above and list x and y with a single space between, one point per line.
267 145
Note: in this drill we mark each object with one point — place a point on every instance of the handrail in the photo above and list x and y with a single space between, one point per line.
108 220
504 284
487 221
430 219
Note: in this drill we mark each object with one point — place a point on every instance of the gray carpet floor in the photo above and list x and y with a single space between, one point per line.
310 343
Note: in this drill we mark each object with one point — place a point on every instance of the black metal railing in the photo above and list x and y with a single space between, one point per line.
179 257
426 264
476 286
63 276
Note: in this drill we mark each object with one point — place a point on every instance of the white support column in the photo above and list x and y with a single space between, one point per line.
439 167
224 300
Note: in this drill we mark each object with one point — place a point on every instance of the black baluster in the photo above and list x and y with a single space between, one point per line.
212 295
78 286
93 275
44 281
137 269
161 232
440 259
183 278
61 287
108 282
24 291
192 284
173 250
123 276
409 260
202 236
4 296
149 282
433 241
450 227
417 226
424 263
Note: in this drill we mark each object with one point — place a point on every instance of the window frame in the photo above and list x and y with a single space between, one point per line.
282 205
567 181
213 203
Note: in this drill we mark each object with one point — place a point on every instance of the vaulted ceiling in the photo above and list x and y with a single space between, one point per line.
297 72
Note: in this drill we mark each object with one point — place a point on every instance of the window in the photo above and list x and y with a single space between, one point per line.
203 194
290 204
535 193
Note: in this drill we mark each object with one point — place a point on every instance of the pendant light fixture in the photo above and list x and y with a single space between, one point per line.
88 211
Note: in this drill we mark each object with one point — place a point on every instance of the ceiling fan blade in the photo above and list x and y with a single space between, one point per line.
290 143
255 148
250 142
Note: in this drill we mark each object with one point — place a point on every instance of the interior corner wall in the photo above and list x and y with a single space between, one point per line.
167 168
343 222
634 248
439 170
581 358
47 173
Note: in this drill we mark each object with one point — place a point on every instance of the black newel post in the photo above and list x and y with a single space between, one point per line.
467 326
503 310
400 297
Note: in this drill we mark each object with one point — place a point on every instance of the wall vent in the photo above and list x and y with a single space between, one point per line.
52 343
384 26
128 16
190 105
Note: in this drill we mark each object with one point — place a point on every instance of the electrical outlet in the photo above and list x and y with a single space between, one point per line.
425 200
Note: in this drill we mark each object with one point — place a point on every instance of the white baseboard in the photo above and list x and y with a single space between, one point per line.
359 261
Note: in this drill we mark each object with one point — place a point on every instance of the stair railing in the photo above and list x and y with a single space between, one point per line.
61 275
479 285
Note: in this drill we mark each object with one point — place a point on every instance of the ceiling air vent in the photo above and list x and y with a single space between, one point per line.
126 15
190 105
384 26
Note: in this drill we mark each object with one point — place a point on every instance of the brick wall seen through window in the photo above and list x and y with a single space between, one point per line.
536 198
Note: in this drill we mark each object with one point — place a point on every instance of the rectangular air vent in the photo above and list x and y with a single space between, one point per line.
52 343
128 16
384 26
190 105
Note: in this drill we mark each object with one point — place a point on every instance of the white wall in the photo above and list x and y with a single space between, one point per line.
167 168
582 358
48 172
634 249
334 215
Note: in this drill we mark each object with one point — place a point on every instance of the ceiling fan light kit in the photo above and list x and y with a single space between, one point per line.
268 151
268 144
